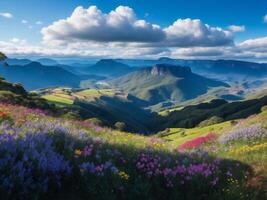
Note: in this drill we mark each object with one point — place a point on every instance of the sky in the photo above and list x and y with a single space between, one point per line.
187 29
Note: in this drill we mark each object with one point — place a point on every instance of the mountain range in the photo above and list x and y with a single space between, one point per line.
35 75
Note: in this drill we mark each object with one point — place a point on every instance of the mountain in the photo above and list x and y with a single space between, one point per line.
35 76
165 82
109 68
16 61
47 61
214 68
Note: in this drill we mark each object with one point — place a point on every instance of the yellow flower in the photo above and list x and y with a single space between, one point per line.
124 175
248 149
77 152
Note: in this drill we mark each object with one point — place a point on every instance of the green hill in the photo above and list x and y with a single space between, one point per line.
107 105
165 82
16 94
191 116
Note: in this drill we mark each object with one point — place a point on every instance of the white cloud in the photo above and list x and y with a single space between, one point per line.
24 21
18 41
256 45
120 25
265 19
192 32
119 33
235 28
6 15
39 23
253 50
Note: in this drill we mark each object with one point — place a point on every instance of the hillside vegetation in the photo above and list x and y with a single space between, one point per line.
192 116
162 83
107 105
79 160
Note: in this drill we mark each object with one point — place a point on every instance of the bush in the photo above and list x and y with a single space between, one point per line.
120 126
211 121
95 121
263 108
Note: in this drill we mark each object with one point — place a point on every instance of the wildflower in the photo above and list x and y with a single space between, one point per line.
249 149
124 175
3 114
87 151
77 152
245 134
196 142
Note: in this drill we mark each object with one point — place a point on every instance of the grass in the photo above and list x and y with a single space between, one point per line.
59 99
123 149
94 93
65 97
177 136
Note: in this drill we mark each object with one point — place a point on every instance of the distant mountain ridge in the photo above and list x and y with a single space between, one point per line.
35 75
109 67
165 82
208 66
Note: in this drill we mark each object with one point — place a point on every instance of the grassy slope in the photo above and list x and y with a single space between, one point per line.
63 98
174 138
177 136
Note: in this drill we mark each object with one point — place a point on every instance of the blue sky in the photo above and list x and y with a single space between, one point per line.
39 14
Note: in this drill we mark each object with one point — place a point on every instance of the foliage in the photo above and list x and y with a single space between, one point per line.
53 157
211 121
120 126
191 116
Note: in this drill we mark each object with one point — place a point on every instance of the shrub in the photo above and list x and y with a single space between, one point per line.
263 108
120 126
211 121
95 121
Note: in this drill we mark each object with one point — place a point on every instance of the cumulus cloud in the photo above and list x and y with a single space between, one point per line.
265 19
257 44
122 25
253 50
6 15
235 28
192 32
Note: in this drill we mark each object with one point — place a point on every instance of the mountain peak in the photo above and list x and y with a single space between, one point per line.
34 64
163 69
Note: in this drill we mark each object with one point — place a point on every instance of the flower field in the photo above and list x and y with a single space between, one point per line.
43 157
